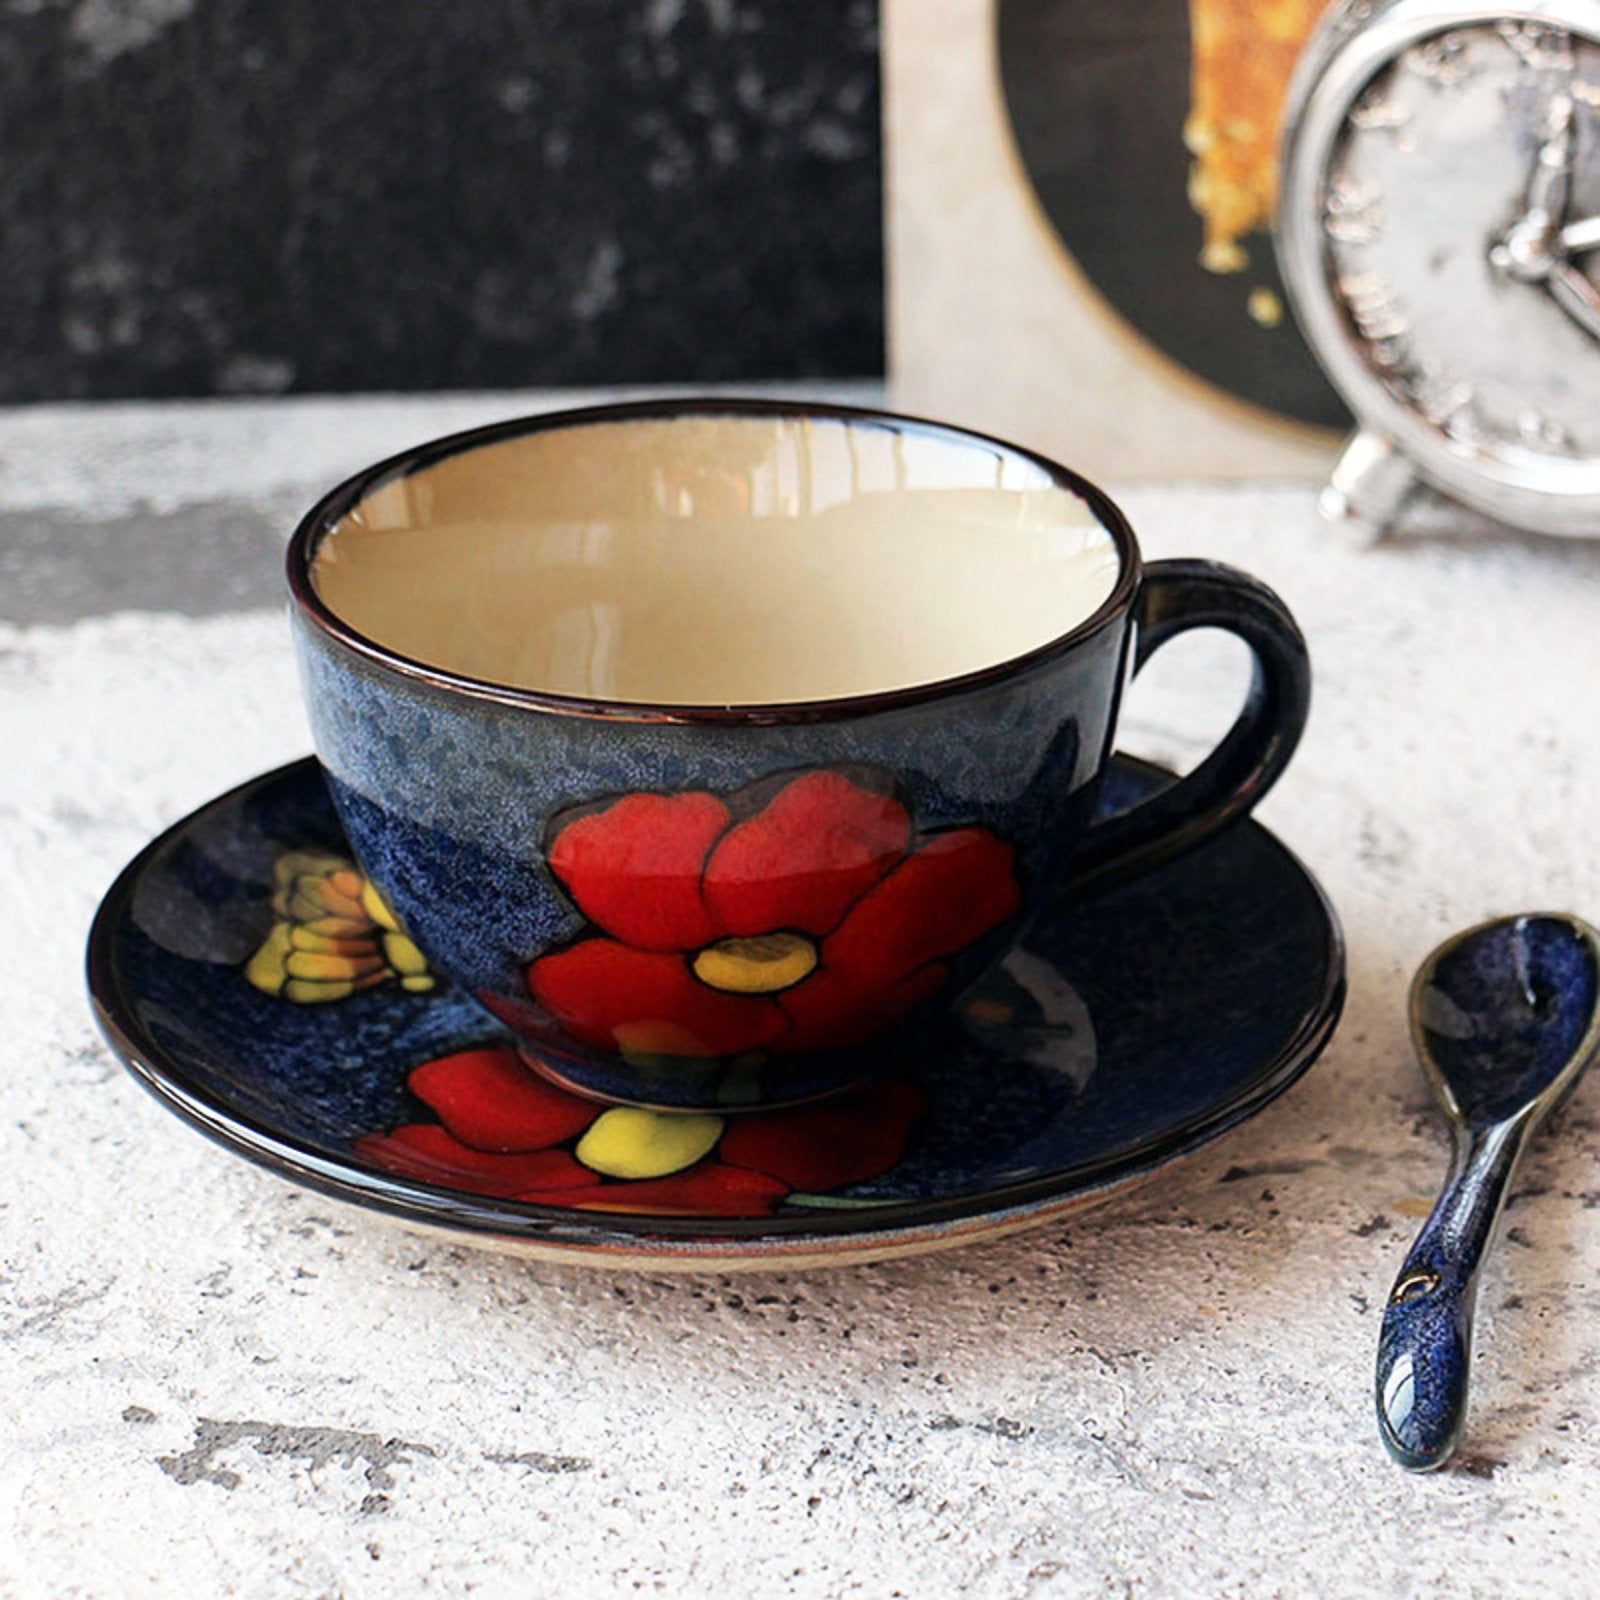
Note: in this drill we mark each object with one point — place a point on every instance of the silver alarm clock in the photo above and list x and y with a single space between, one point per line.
1439 233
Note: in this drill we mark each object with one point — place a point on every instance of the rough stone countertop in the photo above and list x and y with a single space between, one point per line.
219 1384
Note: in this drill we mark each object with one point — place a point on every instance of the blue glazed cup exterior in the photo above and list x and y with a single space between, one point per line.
711 907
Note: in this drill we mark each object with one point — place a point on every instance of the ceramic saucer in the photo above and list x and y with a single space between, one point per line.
1122 1034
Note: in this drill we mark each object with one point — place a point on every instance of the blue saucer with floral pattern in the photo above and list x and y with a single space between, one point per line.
254 982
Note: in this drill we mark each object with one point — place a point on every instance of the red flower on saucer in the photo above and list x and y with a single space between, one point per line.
814 919
504 1132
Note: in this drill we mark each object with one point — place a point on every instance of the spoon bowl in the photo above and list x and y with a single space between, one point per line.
1505 1017
1500 1015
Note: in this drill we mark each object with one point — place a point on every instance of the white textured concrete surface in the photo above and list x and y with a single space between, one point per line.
217 1384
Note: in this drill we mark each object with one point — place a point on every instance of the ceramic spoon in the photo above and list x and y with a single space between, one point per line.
1505 1018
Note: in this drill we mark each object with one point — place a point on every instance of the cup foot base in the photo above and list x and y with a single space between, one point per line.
729 1090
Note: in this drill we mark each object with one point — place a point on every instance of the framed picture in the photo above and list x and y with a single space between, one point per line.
1080 200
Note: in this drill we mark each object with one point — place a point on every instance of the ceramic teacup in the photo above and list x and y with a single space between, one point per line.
716 747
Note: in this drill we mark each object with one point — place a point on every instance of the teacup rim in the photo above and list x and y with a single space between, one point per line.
320 520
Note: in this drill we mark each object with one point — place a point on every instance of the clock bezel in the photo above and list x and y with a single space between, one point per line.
1351 48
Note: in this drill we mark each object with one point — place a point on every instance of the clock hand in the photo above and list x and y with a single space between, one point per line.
1536 248
1552 172
1576 296
1527 250
1576 237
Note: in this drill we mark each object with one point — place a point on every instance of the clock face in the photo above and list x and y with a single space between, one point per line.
1460 215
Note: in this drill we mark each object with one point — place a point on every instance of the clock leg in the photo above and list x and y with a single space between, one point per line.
1369 486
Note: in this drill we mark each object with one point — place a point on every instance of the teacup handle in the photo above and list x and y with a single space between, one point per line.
1177 596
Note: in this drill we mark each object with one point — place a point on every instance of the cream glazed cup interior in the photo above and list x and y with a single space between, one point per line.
747 557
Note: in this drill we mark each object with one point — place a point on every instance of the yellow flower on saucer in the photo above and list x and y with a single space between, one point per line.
332 936
633 1142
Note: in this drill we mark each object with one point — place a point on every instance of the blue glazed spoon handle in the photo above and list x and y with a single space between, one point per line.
1425 1344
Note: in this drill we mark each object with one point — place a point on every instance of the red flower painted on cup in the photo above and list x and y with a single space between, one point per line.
813 921
505 1132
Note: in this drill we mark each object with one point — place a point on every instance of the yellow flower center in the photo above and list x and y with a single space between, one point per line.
631 1142
760 965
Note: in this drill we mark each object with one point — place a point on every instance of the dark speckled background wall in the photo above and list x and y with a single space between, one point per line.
262 196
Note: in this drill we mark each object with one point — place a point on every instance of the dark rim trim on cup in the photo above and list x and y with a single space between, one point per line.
326 514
